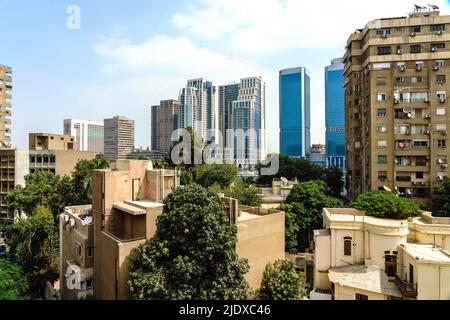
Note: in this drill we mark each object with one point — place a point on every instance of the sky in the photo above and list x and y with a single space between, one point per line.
128 55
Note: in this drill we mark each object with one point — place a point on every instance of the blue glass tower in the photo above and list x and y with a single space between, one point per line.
335 114
295 112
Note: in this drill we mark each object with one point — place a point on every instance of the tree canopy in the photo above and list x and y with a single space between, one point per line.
193 253
246 194
13 284
441 200
383 204
282 282
221 174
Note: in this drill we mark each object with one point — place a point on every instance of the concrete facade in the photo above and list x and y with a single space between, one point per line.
163 124
48 141
119 138
5 106
59 162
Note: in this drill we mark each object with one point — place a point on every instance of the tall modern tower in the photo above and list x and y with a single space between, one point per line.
119 138
228 94
88 134
5 106
335 114
249 123
163 125
295 115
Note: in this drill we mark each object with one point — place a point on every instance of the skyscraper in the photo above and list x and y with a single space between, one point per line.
119 138
196 108
163 125
295 116
396 100
88 135
5 106
249 123
335 114
227 95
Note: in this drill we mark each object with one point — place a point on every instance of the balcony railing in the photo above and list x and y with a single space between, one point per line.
407 289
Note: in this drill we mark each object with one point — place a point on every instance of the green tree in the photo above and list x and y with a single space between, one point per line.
281 282
13 284
303 209
193 253
441 200
33 245
221 174
384 204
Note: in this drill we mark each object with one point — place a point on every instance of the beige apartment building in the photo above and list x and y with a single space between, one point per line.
358 257
163 125
119 138
48 141
396 73
5 105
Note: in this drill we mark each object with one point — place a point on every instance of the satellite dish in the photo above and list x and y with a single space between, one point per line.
283 179
387 189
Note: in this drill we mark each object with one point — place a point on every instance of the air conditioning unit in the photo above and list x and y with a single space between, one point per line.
427 116
403 68
409 192
384 35
438 33
422 183
72 223
427 100
427 132
433 49
443 100
444 166
436 68
408 132
396 101
409 115
441 82
440 178
415 183
419 68
444 133
399 51
412 34
440 161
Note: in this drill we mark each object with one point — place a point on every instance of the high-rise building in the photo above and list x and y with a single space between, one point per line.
196 108
88 134
227 95
335 114
295 115
249 123
163 125
5 105
119 138
396 100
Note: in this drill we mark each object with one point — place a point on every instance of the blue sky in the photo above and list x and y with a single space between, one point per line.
129 54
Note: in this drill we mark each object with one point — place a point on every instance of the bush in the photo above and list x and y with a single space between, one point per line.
281 282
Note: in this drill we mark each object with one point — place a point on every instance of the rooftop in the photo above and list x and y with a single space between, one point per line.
427 253
371 279
354 215
136 208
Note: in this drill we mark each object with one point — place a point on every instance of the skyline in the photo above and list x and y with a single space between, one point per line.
130 59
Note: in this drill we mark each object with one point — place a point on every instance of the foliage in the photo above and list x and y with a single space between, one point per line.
33 246
303 170
303 210
441 201
247 195
221 174
281 282
193 254
384 204
13 284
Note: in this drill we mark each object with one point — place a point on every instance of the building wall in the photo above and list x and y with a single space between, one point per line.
347 293
119 138
261 241
322 260
89 135
163 125
67 160
48 141
5 105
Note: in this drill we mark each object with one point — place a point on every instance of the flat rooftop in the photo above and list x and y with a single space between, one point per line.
424 253
354 215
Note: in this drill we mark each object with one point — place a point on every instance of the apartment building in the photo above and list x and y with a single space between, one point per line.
88 135
14 167
358 257
5 106
119 138
397 123
48 141
163 124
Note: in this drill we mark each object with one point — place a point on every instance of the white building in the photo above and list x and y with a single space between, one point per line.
88 135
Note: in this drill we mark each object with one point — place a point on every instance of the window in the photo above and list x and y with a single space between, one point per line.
437 27
403 178
440 111
441 144
381 113
347 246
416 80
381 97
382 176
441 127
89 285
419 175
382 159
78 249
382 143
361 297
421 144
414 29
439 63
383 51
421 161
382 129
384 31
90 252
435 46
416 49
440 79
441 95
391 264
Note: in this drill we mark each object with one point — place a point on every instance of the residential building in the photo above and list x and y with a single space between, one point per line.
48 141
5 106
295 112
196 108
228 94
318 155
249 123
396 101
13 170
76 231
119 138
359 257
163 125
335 114
146 154
58 162
88 135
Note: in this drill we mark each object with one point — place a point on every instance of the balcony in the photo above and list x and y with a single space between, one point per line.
407 289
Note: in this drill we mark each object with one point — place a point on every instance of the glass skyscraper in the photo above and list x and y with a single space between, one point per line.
295 112
335 114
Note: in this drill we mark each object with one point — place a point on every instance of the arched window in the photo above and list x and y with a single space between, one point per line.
347 246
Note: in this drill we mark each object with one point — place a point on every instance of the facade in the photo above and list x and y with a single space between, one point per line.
358 257
335 114
13 170
119 138
227 95
163 125
197 107
147 154
295 112
58 162
249 123
48 141
88 135
5 106
318 155
396 99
